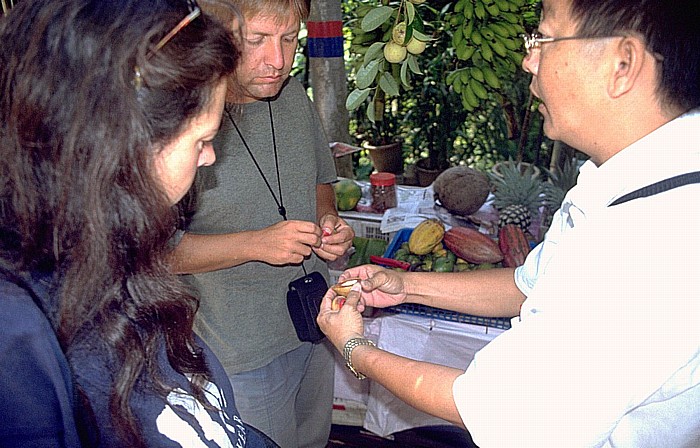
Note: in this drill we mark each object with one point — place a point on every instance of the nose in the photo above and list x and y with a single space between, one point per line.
207 156
274 54
531 62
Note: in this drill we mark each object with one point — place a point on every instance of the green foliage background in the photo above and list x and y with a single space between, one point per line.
470 100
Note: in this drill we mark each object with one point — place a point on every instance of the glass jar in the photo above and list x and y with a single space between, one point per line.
383 191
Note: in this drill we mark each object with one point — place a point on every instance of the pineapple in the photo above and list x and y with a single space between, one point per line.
561 180
515 214
517 194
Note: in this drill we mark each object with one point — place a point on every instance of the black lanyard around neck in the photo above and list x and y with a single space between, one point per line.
280 203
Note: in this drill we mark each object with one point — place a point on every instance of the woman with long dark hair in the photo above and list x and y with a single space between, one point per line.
106 110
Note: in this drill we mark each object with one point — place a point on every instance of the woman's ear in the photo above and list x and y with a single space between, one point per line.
629 56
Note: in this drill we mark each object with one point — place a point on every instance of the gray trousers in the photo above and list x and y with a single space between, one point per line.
291 398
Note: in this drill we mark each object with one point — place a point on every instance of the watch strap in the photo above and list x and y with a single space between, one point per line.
351 345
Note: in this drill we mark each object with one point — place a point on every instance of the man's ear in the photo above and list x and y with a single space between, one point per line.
629 56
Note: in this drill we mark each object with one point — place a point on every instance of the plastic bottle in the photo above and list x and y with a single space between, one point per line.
383 191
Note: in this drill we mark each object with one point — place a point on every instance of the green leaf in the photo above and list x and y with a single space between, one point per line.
413 64
376 18
366 74
355 98
374 52
457 38
404 72
370 112
420 36
410 12
465 52
452 76
409 34
388 84
457 85
418 22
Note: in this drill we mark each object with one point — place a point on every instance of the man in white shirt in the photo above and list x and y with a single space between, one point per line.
605 348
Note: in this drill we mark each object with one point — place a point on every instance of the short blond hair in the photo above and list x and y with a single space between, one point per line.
278 9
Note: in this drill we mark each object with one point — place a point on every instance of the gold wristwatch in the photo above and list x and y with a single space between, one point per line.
351 345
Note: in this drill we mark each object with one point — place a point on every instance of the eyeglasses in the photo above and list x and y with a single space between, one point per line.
195 11
535 40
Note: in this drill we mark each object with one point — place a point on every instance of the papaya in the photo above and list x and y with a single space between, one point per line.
347 194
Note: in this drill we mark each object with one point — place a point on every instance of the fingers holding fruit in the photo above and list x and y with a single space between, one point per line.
343 289
339 317
336 238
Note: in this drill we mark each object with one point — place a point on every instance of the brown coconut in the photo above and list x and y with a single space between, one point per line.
461 190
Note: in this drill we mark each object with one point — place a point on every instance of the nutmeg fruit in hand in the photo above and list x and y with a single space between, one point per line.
337 303
343 288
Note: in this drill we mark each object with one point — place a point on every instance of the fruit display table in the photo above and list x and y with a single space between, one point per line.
368 404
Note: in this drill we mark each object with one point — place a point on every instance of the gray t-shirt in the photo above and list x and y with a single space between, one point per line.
243 314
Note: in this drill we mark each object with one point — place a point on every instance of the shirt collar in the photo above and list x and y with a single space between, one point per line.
668 151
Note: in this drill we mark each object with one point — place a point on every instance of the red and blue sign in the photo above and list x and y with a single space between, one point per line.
325 39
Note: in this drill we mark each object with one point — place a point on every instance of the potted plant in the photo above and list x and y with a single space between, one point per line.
386 37
438 116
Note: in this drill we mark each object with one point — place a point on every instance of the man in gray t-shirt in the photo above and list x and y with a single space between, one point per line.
273 159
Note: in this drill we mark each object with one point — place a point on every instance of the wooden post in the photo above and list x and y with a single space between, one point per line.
328 76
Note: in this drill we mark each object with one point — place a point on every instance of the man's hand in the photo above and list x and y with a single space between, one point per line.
380 287
336 237
341 324
287 242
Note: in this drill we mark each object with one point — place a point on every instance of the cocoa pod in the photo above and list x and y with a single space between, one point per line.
426 236
513 245
472 245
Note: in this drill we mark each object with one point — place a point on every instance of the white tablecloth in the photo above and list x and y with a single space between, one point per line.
442 342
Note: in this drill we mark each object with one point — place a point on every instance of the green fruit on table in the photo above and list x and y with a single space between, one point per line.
443 264
347 194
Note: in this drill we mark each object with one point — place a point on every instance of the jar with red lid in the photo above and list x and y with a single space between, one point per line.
383 191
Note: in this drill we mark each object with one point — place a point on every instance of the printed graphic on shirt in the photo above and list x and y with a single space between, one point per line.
210 431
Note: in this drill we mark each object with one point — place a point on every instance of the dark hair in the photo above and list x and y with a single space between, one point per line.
671 29
79 196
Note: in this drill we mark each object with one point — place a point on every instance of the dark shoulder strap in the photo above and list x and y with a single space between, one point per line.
659 187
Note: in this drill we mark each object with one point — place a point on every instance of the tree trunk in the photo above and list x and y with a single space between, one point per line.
328 76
